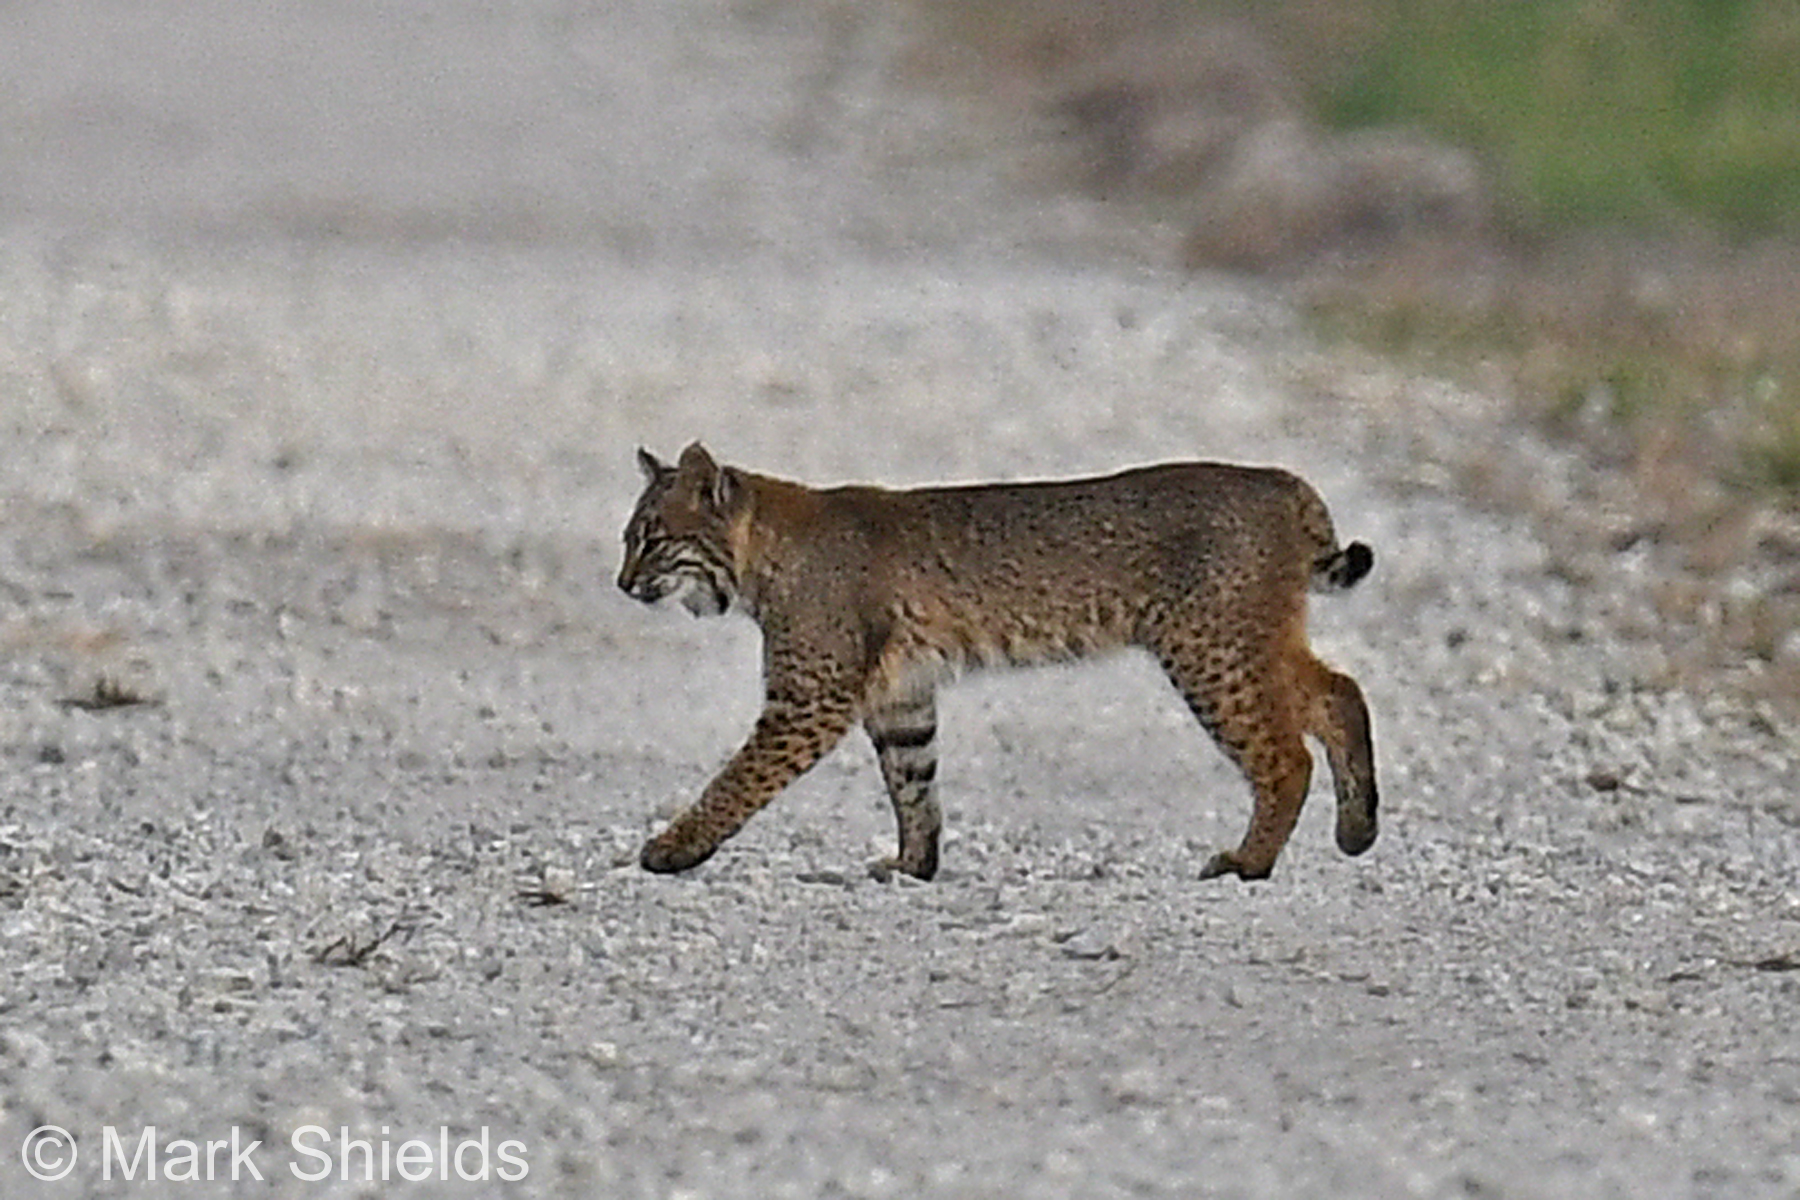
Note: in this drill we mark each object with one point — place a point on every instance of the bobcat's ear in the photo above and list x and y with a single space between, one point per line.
650 465
696 463
717 486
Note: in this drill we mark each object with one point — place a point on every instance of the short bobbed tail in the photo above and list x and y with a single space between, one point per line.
1342 569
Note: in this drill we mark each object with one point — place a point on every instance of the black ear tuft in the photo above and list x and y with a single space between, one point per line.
649 464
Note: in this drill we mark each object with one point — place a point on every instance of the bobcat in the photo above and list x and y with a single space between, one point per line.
869 598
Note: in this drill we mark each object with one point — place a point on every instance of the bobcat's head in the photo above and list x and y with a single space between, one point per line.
678 539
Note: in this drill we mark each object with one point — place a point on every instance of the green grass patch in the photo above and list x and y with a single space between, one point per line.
1615 343
1648 114
1643 161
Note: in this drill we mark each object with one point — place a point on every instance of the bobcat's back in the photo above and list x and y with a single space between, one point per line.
1024 573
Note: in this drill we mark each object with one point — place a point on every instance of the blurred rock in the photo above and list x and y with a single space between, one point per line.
1204 120
1163 115
1289 193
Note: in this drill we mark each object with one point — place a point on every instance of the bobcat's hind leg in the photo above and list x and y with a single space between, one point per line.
792 734
905 737
1338 716
1246 708
1279 775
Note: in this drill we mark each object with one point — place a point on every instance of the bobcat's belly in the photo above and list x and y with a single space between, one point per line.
932 644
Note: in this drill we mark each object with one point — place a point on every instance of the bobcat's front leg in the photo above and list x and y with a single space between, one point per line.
794 732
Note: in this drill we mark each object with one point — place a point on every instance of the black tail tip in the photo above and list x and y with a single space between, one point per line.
1359 560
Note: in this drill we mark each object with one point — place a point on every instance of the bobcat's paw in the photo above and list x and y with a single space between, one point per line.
884 869
665 855
1356 820
1356 835
1226 862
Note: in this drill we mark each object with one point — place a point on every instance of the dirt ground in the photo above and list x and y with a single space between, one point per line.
326 741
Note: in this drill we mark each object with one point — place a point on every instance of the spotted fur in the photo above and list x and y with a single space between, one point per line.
868 599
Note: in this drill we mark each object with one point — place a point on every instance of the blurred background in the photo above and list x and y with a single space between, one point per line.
1588 210
1601 199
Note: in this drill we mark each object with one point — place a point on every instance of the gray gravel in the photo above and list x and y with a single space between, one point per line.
325 339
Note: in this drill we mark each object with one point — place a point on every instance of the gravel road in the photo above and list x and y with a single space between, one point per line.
326 743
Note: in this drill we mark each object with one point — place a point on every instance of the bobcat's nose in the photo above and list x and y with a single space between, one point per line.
629 581
645 588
